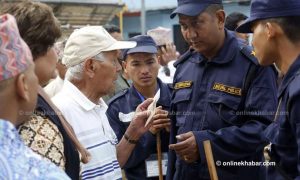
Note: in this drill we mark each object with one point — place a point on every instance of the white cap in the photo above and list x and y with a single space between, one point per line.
89 41
161 36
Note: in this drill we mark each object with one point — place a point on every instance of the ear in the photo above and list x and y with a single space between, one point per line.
220 14
22 87
272 29
159 57
90 68
124 65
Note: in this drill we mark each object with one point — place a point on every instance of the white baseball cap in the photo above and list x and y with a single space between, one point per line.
89 41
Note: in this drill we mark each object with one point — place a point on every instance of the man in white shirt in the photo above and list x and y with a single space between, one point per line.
91 58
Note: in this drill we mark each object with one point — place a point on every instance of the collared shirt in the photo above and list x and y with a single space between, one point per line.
19 162
209 101
121 109
93 131
284 132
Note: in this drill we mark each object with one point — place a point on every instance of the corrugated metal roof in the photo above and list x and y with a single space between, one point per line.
135 5
85 1
76 13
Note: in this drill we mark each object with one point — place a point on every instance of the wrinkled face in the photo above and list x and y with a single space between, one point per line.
262 44
202 32
45 66
106 72
142 69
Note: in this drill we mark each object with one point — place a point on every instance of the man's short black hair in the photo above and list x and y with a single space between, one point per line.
232 20
111 28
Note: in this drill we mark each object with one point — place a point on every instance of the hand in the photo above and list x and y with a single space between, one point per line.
187 148
137 126
160 120
168 54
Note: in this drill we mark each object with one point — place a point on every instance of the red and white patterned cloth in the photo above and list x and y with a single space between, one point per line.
15 55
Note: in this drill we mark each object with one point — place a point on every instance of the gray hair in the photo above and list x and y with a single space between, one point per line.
76 72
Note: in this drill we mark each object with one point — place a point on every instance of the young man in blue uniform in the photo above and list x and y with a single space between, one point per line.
220 94
141 65
275 26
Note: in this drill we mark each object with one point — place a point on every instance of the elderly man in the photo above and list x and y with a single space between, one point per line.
18 94
275 26
91 58
122 82
221 95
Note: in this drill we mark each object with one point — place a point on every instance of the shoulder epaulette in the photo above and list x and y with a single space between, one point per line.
294 87
117 96
184 57
248 52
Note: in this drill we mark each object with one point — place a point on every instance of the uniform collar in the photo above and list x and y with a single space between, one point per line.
291 73
164 99
134 98
225 54
79 97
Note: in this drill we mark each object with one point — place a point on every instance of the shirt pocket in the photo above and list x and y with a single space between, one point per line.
181 101
225 108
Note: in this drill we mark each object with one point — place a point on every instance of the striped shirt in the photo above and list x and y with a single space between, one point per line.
93 131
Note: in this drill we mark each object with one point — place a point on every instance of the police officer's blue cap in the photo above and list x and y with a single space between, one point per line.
192 7
264 9
144 44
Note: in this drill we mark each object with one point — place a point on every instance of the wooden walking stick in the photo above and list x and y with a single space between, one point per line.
210 160
159 158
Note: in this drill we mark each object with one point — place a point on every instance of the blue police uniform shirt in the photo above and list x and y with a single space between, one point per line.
284 133
206 100
120 111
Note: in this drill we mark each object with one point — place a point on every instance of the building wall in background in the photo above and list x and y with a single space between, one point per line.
155 18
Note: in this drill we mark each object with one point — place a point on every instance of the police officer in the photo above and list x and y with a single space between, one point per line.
275 25
141 65
220 94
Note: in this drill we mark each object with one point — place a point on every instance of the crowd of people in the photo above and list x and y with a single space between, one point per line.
94 106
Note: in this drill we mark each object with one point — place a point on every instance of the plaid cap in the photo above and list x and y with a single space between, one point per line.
15 55
161 36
